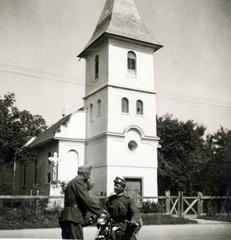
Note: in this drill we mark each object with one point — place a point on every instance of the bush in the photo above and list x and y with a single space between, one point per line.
211 209
54 205
17 218
151 207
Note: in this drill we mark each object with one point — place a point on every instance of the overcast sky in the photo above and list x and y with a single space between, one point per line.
40 39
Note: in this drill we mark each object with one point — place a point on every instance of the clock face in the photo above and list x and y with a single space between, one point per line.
132 145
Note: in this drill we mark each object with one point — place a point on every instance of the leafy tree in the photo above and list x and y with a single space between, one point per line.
189 161
16 128
182 155
217 173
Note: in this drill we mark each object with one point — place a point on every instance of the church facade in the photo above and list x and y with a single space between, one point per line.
115 131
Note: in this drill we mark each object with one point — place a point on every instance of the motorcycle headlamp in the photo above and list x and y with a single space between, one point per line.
102 219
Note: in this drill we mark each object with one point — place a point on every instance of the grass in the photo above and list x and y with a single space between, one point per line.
20 219
159 219
218 217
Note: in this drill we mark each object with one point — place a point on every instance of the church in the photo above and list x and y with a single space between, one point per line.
115 130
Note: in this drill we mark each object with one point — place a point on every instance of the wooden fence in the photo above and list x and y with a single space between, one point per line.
182 205
174 205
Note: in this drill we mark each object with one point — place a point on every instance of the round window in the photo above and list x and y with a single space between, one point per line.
132 145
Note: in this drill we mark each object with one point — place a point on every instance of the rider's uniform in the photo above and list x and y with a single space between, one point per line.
122 209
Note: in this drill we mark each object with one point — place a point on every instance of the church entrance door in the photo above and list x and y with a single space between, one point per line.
134 187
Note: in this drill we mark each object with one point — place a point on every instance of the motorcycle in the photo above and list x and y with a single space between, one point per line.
107 229
104 225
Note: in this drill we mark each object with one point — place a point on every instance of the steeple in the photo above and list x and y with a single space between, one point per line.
120 18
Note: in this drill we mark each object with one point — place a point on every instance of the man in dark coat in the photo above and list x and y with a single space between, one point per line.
77 203
124 213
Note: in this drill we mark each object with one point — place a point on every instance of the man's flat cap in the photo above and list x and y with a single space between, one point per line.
84 169
120 181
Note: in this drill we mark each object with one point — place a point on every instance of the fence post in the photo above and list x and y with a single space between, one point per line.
200 204
180 204
30 201
1 205
167 202
37 204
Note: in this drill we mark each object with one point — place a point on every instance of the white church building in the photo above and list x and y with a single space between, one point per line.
115 131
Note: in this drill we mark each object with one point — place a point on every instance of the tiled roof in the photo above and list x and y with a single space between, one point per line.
49 134
121 18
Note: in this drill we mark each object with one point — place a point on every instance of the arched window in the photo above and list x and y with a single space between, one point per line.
139 107
131 62
99 107
125 105
96 66
71 164
91 111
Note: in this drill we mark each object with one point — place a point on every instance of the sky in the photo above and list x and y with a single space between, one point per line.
40 39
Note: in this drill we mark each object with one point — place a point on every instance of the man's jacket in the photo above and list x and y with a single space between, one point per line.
77 202
122 208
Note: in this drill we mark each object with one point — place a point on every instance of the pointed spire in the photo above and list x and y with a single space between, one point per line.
121 18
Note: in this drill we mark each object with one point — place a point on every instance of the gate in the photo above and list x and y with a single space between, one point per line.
181 205
195 204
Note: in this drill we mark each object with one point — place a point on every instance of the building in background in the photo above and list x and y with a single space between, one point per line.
115 132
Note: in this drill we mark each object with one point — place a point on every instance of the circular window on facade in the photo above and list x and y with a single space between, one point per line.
132 145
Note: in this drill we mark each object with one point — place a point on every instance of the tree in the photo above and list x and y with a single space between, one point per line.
182 155
16 128
189 161
218 169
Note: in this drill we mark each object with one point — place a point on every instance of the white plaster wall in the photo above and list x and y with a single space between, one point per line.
118 121
118 72
91 83
148 176
75 128
140 163
97 124
65 170
119 155
71 138
96 151
96 156
99 177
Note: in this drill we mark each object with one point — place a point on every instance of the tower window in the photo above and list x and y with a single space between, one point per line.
96 66
125 105
131 62
99 107
48 177
91 111
139 107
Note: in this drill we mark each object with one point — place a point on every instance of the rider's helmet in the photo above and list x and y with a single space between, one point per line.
121 181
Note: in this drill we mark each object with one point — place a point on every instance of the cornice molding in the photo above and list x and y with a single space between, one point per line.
119 87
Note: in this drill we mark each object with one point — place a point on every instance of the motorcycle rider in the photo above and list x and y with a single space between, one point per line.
124 213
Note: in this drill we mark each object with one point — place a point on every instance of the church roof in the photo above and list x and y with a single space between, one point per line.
49 133
121 18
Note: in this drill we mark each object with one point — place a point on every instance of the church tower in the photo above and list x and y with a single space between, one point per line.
120 99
